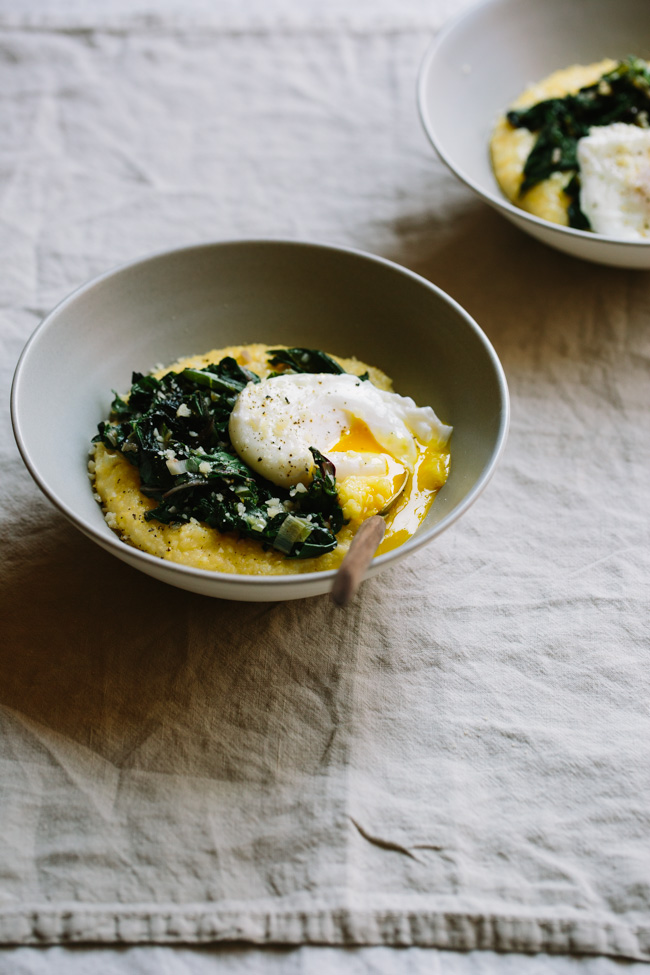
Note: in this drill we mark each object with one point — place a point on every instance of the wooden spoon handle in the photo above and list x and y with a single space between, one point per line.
357 559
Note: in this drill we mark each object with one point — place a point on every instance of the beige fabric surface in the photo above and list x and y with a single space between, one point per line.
461 759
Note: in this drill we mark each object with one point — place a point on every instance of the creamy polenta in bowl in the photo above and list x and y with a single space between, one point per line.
541 110
574 148
215 463
251 404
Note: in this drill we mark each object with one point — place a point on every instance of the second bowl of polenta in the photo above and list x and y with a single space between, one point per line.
497 79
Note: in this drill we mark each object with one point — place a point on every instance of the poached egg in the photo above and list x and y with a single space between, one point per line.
363 430
615 180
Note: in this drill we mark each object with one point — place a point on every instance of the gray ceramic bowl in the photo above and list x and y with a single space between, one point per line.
283 292
483 59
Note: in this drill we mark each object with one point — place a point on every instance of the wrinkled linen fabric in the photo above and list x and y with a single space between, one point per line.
305 960
458 761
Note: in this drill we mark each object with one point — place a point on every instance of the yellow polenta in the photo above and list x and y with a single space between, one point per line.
510 147
117 487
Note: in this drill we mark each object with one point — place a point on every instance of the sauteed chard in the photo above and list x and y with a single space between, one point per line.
621 95
174 430
307 360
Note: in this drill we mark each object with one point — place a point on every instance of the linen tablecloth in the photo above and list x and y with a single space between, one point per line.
460 760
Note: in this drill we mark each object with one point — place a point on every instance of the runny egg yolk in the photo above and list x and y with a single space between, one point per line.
410 509
389 454
358 439
411 505
407 508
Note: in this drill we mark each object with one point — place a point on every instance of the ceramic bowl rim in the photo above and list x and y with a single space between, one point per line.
113 543
495 200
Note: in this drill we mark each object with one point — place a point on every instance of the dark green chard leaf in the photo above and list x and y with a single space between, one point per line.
226 376
220 464
577 218
175 431
621 95
229 368
143 391
305 360
319 541
120 407
321 496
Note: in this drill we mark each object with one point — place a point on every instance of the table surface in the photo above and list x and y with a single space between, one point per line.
488 700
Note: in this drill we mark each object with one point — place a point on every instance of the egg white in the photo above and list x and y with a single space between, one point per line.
276 421
615 180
